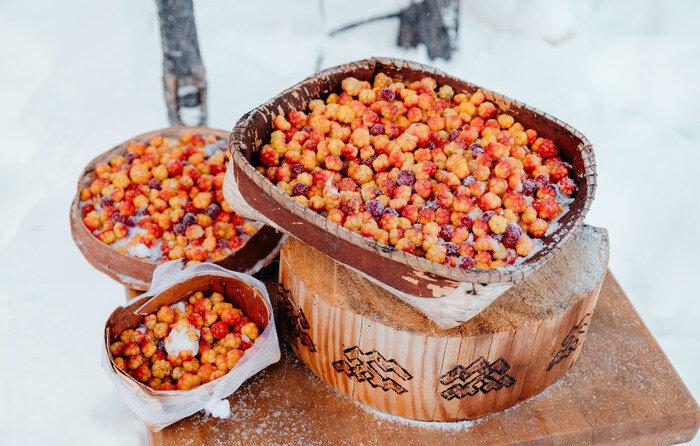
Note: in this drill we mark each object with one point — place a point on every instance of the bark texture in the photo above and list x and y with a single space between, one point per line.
433 23
184 81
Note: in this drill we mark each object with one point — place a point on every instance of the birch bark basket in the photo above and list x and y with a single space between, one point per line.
464 293
136 273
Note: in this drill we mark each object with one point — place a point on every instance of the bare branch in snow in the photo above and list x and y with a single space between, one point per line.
184 81
433 23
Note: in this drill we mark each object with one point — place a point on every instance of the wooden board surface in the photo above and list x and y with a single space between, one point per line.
622 389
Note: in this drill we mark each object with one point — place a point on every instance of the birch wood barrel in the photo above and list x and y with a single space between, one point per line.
376 350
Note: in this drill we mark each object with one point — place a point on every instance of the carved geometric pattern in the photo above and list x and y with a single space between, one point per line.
293 318
571 341
479 376
373 368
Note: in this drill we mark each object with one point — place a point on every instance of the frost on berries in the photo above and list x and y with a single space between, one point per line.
434 172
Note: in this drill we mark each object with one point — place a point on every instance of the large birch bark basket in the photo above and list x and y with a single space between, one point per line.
405 273
376 350
136 273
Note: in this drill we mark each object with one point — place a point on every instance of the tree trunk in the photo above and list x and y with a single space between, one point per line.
184 82
433 23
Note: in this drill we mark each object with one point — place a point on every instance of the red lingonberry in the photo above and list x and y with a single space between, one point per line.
387 94
465 262
299 189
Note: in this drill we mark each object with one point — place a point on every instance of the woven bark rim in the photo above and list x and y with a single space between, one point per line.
587 178
131 309
108 260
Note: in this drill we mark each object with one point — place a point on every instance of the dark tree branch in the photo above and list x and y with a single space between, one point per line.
184 81
363 22
433 23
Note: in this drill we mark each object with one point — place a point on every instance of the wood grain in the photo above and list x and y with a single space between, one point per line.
621 390
400 363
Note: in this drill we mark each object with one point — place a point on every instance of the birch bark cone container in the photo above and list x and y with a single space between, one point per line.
161 408
363 342
136 273
396 270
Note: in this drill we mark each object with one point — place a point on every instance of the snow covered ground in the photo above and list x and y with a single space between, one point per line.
79 76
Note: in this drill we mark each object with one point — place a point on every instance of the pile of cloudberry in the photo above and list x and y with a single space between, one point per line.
182 346
427 171
164 201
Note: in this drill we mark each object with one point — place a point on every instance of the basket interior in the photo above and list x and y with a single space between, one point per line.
242 295
254 129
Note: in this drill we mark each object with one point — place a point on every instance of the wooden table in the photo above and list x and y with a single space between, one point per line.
622 389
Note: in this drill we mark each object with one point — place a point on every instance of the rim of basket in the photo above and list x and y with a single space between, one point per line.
510 273
166 393
90 168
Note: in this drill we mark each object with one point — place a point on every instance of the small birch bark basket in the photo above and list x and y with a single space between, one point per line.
162 408
398 271
376 350
136 273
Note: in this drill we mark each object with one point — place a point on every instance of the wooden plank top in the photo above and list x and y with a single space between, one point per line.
622 389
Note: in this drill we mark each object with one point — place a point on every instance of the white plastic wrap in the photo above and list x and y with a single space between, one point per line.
161 408
453 309
235 199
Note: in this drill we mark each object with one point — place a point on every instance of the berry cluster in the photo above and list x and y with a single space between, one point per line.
427 171
164 201
184 345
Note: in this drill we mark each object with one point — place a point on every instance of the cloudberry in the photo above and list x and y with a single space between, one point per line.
566 185
420 155
546 208
538 228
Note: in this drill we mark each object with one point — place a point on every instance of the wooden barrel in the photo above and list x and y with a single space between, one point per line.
371 347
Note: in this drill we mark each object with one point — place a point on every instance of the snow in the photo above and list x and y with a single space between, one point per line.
183 337
180 306
435 425
141 250
191 115
78 77
219 409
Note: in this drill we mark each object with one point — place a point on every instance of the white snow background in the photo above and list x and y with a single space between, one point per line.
78 77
